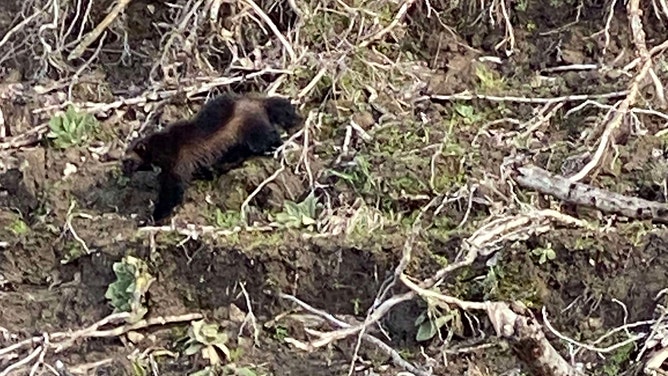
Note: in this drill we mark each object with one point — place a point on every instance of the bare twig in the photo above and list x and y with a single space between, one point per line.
614 123
379 313
635 22
63 340
89 38
250 316
23 362
608 349
70 228
397 18
396 357
258 189
18 26
523 332
533 100
274 29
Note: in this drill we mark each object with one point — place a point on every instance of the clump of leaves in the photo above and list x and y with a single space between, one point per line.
431 321
488 78
226 219
229 369
468 115
544 253
207 338
280 332
71 128
298 215
18 227
132 282
359 176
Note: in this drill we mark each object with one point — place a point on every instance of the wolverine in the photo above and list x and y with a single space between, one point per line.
228 129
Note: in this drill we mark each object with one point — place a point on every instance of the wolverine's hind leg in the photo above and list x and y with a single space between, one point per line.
261 136
172 191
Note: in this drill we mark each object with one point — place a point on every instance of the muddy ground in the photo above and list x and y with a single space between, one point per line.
67 216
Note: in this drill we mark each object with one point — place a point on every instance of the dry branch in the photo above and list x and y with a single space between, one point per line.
274 29
521 330
34 134
64 340
635 23
479 243
21 24
614 123
97 31
397 18
396 357
582 194
653 365
533 100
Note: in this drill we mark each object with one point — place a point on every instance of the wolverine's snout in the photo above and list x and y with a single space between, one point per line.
129 166
132 163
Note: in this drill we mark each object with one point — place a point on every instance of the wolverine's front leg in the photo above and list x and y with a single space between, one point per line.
172 191
204 173
261 137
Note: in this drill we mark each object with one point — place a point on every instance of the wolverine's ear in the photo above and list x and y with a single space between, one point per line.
139 146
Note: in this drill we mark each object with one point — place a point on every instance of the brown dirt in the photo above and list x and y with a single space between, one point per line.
595 284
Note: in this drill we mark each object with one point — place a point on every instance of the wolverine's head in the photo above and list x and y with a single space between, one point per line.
282 112
137 157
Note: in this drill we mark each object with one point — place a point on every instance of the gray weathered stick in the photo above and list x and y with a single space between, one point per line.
582 194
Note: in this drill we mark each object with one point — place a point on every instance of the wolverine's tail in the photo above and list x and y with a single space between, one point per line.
282 112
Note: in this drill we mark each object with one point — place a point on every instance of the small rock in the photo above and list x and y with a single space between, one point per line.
34 169
113 155
236 314
364 119
72 154
69 169
135 337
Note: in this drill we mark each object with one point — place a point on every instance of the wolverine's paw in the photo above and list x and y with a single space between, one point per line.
160 216
143 222
205 174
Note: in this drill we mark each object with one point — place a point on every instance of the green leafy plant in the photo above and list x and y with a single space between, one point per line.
298 215
71 128
227 370
206 338
18 227
207 371
226 219
544 253
489 79
359 175
467 113
430 322
127 292
280 332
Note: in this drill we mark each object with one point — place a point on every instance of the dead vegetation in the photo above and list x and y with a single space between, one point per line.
479 189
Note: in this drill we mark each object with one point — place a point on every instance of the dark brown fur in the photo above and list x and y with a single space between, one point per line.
228 129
